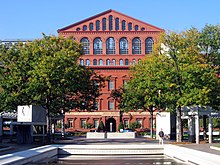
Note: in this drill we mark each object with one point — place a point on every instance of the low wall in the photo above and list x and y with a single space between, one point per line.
123 135
110 135
95 135
190 155
44 154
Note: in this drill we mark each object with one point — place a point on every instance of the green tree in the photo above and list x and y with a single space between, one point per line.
134 125
175 75
210 44
46 72
144 91
195 80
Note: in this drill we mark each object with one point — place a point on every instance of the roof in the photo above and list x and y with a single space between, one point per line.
103 13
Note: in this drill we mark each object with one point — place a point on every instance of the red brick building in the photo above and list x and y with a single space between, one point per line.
112 42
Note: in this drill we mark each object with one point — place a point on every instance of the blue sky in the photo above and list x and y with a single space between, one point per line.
27 19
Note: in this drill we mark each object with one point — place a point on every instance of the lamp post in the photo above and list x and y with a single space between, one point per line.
63 124
152 108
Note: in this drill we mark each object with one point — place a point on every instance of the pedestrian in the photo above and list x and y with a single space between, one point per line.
161 136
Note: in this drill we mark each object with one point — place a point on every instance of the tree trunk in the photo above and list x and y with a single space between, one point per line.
63 125
48 125
179 127
151 124
204 128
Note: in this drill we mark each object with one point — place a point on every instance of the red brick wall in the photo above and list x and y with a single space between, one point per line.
117 73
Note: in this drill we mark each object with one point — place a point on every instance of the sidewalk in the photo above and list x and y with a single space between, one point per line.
203 147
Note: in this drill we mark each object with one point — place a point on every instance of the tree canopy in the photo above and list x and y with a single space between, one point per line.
46 72
210 43
176 74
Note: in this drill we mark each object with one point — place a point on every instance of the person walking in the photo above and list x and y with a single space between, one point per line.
161 136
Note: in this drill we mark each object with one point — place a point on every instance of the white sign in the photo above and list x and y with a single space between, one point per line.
25 113
163 122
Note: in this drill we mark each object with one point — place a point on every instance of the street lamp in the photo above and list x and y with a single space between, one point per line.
63 124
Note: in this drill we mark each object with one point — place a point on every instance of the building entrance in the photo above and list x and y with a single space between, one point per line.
111 125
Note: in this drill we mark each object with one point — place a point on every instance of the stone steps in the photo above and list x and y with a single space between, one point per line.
111 150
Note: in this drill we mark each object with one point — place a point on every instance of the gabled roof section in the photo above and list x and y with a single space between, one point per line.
136 24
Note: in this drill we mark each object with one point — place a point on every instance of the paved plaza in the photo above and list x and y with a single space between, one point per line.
13 147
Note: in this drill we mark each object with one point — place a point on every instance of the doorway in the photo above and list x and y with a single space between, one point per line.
111 125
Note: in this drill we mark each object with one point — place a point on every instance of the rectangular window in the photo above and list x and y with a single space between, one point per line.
70 123
139 121
110 105
96 123
96 105
111 85
126 124
83 123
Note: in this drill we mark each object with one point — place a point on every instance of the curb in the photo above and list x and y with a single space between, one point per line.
215 148
5 149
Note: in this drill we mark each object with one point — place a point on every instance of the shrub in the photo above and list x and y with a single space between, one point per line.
58 125
79 133
101 126
120 126
134 125
89 125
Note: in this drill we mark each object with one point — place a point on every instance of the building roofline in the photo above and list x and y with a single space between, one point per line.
105 12
84 20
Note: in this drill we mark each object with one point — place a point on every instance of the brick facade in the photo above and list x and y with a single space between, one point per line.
112 43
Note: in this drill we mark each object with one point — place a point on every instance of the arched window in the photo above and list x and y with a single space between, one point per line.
126 62
87 62
94 62
91 26
136 46
142 29
129 26
84 27
113 62
97 46
123 25
104 24
107 62
86 45
110 22
77 29
123 44
136 27
97 25
100 62
149 45
110 46
81 62
133 61
117 24
121 62
139 61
